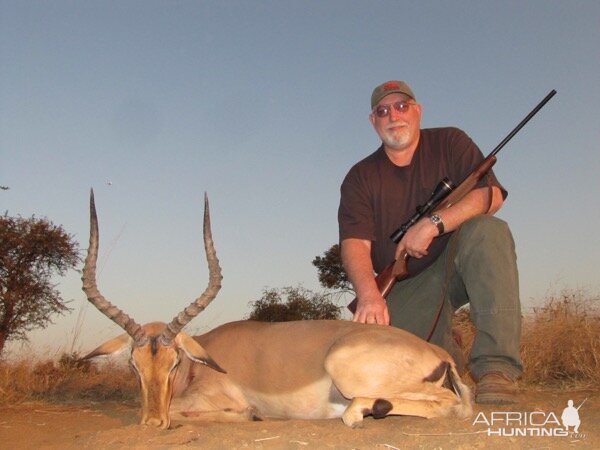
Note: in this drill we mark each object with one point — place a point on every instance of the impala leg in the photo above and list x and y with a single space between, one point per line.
411 405
225 415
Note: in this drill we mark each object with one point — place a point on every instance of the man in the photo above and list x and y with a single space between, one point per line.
461 255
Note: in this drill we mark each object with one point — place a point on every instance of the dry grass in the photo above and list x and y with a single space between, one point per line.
65 380
560 347
560 343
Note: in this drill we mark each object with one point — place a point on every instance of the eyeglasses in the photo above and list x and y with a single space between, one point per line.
385 110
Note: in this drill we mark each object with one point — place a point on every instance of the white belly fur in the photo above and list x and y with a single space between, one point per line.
312 401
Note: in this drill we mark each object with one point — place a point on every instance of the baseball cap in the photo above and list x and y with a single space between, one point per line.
390 87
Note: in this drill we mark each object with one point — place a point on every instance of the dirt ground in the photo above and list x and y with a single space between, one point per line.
114 425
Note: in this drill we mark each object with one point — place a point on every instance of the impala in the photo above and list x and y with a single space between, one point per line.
289 370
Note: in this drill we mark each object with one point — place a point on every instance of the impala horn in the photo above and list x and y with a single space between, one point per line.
90 287
214 285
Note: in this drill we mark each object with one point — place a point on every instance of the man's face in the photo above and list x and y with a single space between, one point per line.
398 130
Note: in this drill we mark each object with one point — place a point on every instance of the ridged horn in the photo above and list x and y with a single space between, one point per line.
214 285
90 287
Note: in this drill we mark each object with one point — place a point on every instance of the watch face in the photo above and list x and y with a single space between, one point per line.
437 221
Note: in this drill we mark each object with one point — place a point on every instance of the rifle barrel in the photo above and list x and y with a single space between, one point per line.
533 112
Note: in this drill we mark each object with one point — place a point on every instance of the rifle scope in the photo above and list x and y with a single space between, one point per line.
440 192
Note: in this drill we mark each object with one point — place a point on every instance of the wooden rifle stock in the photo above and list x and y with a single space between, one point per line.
397 270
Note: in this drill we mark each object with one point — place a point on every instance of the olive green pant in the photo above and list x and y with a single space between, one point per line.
477 267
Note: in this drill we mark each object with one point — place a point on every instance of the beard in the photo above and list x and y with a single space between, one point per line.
397 138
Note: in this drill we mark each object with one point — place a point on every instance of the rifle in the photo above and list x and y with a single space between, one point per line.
444 196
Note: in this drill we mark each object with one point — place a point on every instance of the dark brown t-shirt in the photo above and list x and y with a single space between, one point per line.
377 196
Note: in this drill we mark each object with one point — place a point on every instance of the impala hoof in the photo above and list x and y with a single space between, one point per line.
353 419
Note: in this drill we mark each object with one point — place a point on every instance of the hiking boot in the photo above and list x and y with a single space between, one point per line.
495 388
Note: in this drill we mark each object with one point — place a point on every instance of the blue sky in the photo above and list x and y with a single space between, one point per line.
264 105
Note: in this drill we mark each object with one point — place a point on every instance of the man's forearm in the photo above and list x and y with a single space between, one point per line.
371 306
356 258
474 203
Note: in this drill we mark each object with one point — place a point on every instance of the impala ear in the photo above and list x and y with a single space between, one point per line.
111 347
195 351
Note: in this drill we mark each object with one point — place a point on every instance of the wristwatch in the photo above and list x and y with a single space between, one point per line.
437 221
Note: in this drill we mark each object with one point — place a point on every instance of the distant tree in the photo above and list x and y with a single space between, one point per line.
331 271
292 303
32 251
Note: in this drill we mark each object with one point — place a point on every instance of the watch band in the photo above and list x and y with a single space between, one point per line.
437 221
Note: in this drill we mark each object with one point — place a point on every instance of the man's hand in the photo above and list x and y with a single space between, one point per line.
417 239
372 309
